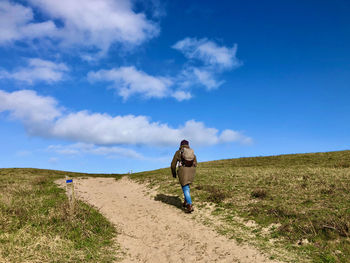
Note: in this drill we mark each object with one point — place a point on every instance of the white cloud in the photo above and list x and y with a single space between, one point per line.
206 78
230 135
208 52
37 70
64 150
130 81
16 23
213 59
104 129
42 117
181 95
88 23
99 23
36 112
85 148
193 76
29 107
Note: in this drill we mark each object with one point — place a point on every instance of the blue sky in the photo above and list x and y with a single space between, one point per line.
115 85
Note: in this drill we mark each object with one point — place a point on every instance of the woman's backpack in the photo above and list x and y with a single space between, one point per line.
187 157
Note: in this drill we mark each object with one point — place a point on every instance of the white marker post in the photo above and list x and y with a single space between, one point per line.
70 193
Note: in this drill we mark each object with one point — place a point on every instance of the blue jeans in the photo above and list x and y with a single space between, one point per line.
186 190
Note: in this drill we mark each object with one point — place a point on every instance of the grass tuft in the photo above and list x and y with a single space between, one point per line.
215 193
259 193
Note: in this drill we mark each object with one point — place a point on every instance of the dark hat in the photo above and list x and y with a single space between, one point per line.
184 142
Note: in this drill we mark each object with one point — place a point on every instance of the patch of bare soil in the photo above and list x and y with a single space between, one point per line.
153 231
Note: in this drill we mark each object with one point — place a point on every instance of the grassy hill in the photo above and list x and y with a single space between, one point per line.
295 207
36 226
299 203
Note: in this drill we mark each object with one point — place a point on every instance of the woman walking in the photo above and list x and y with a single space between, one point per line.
186 161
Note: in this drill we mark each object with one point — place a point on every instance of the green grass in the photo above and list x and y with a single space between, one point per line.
300 203
299 206
36 226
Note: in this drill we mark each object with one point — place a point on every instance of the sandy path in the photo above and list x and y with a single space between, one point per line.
152 231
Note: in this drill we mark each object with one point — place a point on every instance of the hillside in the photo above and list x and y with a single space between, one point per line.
293 207
296 202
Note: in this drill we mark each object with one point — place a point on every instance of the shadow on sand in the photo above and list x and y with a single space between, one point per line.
169 199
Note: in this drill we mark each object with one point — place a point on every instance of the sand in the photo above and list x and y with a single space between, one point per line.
156 232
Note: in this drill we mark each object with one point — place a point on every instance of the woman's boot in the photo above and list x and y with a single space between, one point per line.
189 208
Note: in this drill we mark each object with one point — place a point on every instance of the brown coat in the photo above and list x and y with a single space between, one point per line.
186 174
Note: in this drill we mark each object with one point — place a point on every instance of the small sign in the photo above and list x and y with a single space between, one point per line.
69 181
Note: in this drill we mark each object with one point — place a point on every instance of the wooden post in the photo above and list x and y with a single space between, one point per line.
70 194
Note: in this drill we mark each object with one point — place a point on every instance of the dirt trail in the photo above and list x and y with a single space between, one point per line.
152 231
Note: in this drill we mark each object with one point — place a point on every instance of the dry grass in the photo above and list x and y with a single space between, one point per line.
35 224
306 195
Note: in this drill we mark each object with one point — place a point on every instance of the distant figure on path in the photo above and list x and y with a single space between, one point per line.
186 161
